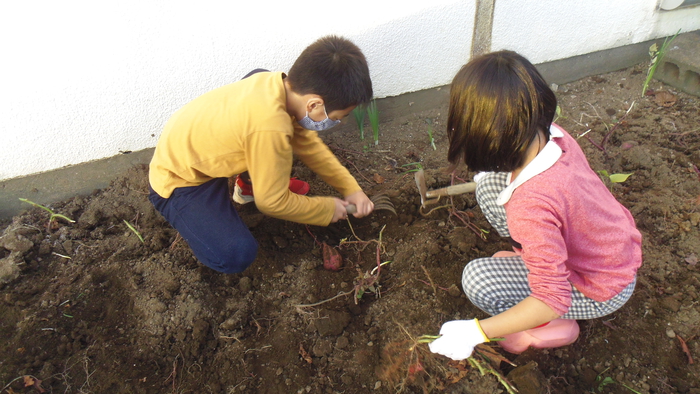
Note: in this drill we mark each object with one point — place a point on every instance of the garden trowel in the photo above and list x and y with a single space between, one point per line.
432 196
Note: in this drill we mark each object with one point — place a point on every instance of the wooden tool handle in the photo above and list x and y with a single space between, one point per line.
452 190
350 209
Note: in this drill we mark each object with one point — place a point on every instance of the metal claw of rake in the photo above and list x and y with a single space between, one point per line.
381 202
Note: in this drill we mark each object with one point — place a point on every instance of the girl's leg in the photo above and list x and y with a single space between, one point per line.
495 284
205 218
584 308
488 187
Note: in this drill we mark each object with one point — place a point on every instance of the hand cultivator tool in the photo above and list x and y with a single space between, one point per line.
432 196
381 201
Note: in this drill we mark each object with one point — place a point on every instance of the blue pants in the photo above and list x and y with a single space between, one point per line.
206 218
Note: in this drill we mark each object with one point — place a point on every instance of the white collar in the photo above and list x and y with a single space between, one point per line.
545 159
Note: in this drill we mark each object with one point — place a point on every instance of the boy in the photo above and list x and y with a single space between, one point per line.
255 126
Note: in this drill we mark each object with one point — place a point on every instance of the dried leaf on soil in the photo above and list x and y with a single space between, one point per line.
30 381
304 354
665 99
684 346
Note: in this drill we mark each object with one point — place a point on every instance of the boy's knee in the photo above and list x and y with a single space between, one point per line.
240 261
235 260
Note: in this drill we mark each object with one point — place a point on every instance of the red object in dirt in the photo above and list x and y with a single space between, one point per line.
332 260
415 368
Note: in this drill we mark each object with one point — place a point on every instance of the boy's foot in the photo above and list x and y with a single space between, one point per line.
298 187
243 191
558 332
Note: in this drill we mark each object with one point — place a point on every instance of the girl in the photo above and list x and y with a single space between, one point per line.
576 249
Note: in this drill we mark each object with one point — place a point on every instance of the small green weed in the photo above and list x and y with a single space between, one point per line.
602 382
415 166
430 132
133 229
367 282
359 114
373 114
53 214
656 55
558 114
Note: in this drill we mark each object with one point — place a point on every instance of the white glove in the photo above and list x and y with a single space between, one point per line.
458 339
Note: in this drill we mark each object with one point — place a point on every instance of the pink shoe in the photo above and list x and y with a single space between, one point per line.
558 332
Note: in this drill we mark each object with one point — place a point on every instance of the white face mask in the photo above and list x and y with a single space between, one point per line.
310 124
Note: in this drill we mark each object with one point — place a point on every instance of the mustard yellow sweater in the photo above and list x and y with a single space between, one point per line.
241 127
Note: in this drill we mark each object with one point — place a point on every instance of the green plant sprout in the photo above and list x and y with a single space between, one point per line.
614 178
484 233
427 338
134 230
373 114
602 382
656 55
364 283
359 114
430 132
374 270
50 211
416 166
557 114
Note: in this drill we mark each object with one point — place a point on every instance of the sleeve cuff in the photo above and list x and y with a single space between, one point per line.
486 339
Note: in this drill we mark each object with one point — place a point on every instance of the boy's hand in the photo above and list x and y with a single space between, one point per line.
340 211
364 205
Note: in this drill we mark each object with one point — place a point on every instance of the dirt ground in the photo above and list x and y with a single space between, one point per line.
86 307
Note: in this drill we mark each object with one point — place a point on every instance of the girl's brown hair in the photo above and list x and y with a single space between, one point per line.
498 104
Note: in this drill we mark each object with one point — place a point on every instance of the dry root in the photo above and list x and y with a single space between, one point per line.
410 364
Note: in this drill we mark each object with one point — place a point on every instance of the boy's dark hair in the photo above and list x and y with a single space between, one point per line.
335 69
498 104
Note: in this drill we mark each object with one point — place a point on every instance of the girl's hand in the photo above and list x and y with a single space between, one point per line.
458 339
364 205
340 212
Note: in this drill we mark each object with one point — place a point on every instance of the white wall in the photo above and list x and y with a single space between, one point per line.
546 30
84 80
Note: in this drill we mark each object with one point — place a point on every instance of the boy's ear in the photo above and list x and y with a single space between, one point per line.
313 103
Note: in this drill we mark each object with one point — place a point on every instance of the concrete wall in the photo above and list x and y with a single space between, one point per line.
549 30
86 80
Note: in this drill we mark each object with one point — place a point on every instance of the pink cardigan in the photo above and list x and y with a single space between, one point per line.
572 229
